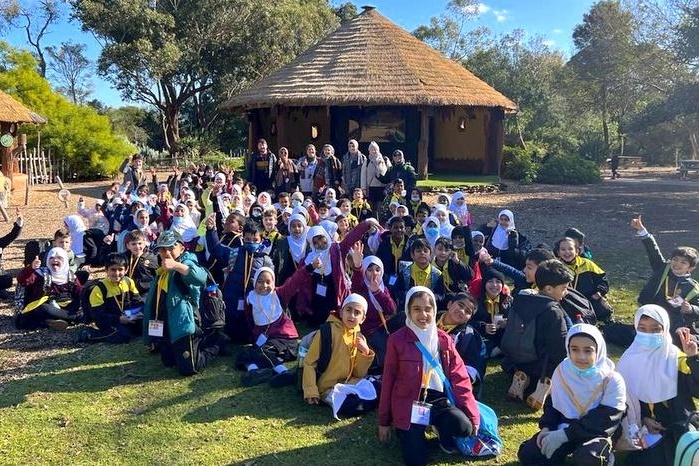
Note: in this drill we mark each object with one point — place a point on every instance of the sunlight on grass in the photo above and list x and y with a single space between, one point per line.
454 180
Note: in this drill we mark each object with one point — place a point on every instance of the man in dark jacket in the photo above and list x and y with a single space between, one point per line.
403 170
260 167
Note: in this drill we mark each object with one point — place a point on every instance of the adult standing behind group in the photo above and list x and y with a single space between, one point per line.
134 174
372 171
401 169
261 167
352 165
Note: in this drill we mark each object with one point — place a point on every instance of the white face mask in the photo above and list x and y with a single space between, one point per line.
415 198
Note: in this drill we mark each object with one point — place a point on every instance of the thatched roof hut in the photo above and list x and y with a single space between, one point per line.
368 71
13 113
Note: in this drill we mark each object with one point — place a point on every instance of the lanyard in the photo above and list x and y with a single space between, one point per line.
667 288
438 368
123 296
132 268
260 307
161 285
247 271
583 409
426 383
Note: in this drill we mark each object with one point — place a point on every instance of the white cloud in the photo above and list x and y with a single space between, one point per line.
500 15
476 9
548 43
557 31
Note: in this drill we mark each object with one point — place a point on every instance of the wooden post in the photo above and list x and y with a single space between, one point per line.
6 152
494 141
423 144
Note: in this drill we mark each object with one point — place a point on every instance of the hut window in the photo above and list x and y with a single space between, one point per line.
382 126
315 132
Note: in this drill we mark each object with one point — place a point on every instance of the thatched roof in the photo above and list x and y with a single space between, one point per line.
370 61
11 111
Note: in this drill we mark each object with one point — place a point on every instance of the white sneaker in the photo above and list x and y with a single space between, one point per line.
520 382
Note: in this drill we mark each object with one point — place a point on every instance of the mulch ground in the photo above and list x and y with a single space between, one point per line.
669 207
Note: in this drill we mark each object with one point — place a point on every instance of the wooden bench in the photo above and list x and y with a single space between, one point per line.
688 166
629 161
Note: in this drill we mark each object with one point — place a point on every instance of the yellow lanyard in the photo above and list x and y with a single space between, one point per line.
397 251
491 305
426 383
123 296
132 265
162 281
247 271
667 288
578 407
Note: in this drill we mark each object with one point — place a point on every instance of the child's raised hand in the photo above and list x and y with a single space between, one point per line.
375 284
20 217
361 344
317 263
637 224
689 346
168 262
485 258
36 263
152 171
211 222
357 254
492 223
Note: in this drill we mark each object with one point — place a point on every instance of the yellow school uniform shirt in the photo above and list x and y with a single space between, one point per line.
113 289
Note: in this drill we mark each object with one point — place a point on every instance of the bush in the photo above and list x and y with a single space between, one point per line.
567 169
518 164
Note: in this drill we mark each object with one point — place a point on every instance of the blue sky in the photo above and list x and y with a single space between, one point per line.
553 20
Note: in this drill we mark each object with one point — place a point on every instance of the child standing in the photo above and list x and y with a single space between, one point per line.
342 384
588 400
115 305
424 382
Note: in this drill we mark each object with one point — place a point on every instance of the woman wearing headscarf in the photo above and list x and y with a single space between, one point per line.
584 410
505 241
661 384
375 167
415 393
51 293
459 208
367 281
286 174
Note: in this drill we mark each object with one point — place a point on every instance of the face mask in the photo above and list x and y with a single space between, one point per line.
296 203
256 213
177 220
586 373
649 340
323 216
403 193
415 198
252 246
432 231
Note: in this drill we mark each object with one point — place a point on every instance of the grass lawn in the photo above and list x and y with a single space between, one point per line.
454 180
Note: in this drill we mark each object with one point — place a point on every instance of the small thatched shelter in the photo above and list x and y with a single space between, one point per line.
13 113
371 80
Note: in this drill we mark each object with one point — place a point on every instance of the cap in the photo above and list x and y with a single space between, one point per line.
168 238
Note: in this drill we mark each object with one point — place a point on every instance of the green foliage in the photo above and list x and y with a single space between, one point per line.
568 169
77 133
518 164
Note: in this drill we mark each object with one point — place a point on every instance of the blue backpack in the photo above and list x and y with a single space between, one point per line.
487 443
687 451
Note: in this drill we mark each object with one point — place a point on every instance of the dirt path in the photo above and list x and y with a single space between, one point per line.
669 207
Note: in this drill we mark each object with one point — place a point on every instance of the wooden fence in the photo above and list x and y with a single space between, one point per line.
42 167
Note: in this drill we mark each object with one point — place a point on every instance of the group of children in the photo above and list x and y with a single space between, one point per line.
404 311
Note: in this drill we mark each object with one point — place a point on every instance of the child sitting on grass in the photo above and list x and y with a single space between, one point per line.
342 384
671 286
587 402
115 305
140 262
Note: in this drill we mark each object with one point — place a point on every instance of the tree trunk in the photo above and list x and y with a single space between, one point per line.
693 142
605 122
171 127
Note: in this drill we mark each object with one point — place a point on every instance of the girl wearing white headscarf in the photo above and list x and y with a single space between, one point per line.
588 400
76 228
661 382
273 332
505 241
183 224
431 232
409 378
367 280
442 215
460 209
52 293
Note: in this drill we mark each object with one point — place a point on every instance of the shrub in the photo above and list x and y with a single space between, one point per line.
567 169
518 164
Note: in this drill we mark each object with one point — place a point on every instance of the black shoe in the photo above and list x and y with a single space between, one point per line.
257 377
284 379
447 444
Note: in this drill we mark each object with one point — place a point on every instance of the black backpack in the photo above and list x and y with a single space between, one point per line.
210 312
518 341
326 349
578 307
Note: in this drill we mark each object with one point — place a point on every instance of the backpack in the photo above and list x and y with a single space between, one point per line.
35 248
578 307
487 442
94 248
687 450
475 357
323 356
210 312
518 340
85 298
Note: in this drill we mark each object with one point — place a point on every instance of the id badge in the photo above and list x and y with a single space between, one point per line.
392 280
241 304
155 328
676 301
261 340
420 414
321 290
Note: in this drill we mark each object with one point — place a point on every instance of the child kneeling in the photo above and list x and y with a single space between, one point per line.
587 402
342 384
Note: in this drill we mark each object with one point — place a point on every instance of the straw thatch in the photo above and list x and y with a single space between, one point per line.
11 111
371 61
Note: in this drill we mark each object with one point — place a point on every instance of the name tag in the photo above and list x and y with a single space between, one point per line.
241 304
155 328
420 414
392 280
676 301
321 290
261 340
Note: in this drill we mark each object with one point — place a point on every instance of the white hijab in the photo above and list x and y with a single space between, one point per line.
428 337
323 254
77 228
650 374
583 388
500 235
432 239
185 227
297 246
445 228
459 211
264 199
61 276
266 309
330 227
366 262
